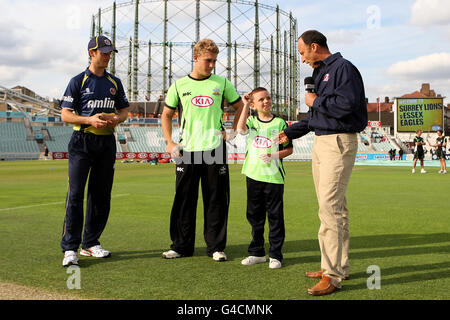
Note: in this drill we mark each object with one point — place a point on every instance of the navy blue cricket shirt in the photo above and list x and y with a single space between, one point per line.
88 94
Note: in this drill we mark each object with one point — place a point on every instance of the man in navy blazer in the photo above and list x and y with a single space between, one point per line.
337 112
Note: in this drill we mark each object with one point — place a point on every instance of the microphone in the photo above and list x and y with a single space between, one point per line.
309 85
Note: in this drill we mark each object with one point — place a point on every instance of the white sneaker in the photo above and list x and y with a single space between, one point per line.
250 260
95 251
274 264
441 171
171 254
219 256
413 170
423 171
444 172
70 258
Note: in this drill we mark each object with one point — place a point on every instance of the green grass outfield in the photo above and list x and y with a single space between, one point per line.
398 221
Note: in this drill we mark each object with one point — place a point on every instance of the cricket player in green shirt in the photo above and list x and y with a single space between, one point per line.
441 144
200 154
265 173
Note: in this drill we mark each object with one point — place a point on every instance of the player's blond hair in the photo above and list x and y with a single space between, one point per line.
205 45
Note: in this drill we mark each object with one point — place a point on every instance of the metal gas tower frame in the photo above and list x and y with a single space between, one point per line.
259 43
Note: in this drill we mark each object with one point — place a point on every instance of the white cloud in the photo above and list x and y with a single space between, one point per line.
433 66
343 36
430 12
42 42
9 74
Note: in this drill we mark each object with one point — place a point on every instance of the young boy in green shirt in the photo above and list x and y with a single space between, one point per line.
265 173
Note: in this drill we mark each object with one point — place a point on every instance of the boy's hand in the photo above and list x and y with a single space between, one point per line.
267 158
246 98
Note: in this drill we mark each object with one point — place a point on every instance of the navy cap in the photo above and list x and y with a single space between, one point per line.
101 43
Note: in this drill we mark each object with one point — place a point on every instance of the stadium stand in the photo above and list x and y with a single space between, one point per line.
25 137
383 146
59 138
14 138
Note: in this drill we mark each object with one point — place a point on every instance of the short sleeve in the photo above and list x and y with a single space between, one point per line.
122 101
71 97
230 92
172 98
250 122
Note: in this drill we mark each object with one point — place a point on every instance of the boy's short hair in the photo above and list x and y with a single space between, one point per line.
256 90
417 131
205 45
440 131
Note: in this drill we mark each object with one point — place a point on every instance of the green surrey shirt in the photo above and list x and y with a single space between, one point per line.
201 104
259 142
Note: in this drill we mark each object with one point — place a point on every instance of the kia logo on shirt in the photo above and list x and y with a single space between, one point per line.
202 101
262 142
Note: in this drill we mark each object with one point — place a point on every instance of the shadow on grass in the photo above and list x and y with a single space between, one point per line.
378 246
434 271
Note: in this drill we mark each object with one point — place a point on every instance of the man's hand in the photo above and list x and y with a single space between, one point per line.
228 135
174 150
309 98
281 138
97 122
111 119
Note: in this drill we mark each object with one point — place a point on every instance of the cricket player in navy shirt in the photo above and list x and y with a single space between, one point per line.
94 102
337 112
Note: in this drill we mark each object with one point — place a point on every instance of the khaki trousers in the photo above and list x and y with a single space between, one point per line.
332 163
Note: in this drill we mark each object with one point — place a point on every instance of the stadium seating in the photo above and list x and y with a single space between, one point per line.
14 138
383 146
150 139
60 137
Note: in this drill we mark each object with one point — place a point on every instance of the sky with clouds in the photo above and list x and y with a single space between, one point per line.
396 45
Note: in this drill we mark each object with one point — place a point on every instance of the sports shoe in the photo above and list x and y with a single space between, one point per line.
219 256
274 264
413 170
70 258
440 171
250 260
95 251
171 254
423 171
444 171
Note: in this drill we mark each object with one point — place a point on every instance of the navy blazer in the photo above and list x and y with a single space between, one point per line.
340 105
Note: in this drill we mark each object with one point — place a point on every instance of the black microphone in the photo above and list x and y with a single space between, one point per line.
309 85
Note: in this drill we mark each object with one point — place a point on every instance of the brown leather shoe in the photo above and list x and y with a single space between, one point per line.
314 275
319 274
324 286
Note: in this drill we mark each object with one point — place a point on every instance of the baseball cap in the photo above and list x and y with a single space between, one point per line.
101 43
